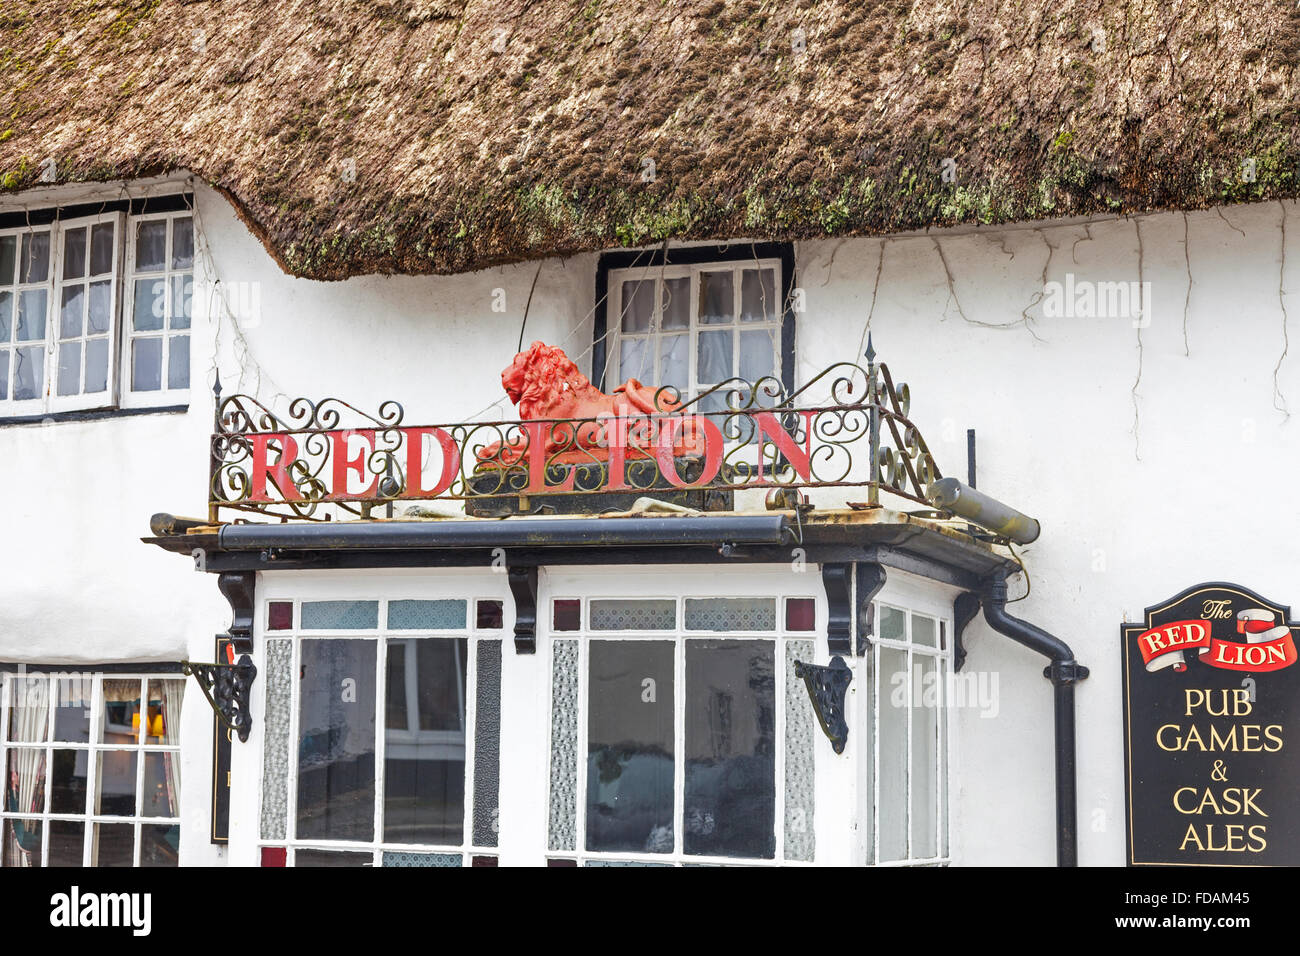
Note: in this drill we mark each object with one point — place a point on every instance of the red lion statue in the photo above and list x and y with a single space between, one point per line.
546 384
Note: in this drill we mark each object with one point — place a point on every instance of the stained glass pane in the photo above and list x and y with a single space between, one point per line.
280 616
403 858
340 615
487 743
426 615
336 739
567 615
800 614
630 746
562 826
731 614
275 743
633 615
488 615
800 837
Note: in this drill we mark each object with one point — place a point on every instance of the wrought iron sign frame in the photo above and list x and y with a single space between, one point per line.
740 435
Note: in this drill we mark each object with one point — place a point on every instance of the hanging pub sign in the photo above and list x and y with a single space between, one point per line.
1211 712
848 425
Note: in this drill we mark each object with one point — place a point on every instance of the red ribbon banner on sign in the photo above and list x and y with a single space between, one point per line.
1268 647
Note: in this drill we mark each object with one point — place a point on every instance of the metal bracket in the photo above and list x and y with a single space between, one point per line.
827 687
239 588
523 585
839 622
1065 672
870 579
227 686
964 610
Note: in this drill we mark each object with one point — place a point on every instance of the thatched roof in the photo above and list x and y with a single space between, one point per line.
489 131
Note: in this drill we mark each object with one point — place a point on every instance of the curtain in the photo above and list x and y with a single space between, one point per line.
173 692
25 788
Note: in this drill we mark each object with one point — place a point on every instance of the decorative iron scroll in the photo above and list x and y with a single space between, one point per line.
827 686
227 686
736 435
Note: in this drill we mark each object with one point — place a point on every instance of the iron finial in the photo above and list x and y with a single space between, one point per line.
216 382
871 349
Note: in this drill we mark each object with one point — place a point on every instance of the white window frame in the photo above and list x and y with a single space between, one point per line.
163 395
653 377
913 596
31 406
384 588
673 584
98 712
82 400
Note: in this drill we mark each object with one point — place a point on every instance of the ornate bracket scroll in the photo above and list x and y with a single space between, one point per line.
839 620
827 687
227 686
870 579
964 610
523 585
238 588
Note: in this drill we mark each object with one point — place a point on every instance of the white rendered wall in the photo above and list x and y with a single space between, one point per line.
1128 519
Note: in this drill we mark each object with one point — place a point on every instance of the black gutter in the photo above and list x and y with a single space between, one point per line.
718 530
1064 672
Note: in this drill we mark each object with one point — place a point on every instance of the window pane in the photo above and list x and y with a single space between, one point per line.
35 263
182 243
6 317
426 615
731 614
631 359
101 306
96 365
893 624
757 354
101 249
72 710
115 792
336 744
567 615
800 734
562 809
151 246
121 720
159 785
674 363
69 368
25 780
114 845
630 746
714 362
926 700
32 307
160 845
340 615
634 615
488 614
487 743
8 256
182 301
68 781
758 295
638 305
424 771
178 362
72 313
165 697
396 716
29 709
74 253
4 373
717 298
677 304
29 373
924 631
150 305
67 839
730 802
891 740
146 365
275 740
800 614
330 858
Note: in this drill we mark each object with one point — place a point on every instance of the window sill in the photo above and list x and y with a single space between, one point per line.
89 415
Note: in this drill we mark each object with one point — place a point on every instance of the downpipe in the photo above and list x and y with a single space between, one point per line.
1064 672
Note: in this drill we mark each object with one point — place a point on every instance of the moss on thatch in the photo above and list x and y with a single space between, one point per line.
491 132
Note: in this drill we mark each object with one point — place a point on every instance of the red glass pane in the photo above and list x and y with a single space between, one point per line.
800 614
488 614
274 856
561 862
484 861
281 616
568 615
